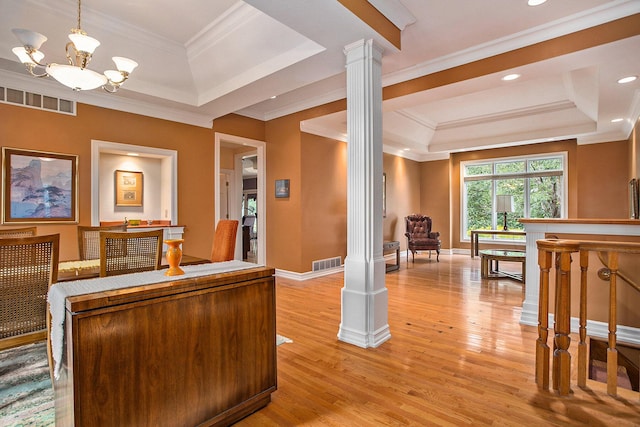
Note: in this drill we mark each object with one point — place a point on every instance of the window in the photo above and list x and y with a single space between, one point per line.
537 184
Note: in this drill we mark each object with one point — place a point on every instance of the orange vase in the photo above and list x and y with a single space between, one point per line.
174 255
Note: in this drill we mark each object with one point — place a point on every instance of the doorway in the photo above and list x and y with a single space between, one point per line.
249 225
240 162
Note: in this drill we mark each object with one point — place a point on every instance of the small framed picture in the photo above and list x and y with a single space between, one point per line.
128 188
282 188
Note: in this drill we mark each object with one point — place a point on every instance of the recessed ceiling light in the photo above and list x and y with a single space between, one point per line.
617 120
535 2
407 149
273 97
133 154
627 79
510 77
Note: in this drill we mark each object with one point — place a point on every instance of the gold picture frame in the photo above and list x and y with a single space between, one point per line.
39 187
128 188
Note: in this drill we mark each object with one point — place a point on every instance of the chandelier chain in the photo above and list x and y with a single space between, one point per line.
79 2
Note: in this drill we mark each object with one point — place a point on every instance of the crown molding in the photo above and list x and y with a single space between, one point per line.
103 100
224 24
395 12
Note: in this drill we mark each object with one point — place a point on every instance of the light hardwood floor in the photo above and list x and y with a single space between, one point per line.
457 356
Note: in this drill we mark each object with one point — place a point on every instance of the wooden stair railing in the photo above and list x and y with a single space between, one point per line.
603 273
561 360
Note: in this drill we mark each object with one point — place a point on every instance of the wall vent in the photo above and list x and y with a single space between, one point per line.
325 264
36 100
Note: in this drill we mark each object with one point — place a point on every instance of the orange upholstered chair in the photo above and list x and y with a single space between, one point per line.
224 240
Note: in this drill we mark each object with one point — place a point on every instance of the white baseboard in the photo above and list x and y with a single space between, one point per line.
390 257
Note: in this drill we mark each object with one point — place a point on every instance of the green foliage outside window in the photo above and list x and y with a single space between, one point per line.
535 184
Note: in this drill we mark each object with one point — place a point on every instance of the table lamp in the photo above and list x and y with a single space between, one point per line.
504 204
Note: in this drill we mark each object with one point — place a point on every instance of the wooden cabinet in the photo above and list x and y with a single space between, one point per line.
199 351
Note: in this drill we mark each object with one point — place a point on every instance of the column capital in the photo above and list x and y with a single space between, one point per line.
362 48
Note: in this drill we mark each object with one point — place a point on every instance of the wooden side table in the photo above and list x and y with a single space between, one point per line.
489 259
476 233
388 247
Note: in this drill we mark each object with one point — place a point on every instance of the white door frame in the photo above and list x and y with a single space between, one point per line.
262 205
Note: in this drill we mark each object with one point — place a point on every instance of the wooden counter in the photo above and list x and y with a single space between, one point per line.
180 353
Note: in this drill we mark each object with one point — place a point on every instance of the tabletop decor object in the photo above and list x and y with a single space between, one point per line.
174 255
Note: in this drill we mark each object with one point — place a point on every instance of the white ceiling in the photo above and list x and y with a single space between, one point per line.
202 59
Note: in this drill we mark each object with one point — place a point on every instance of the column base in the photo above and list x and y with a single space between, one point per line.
363 339
364 318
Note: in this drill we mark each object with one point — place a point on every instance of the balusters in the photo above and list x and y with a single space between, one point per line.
542 349
582 345
560 252
612 351
561 355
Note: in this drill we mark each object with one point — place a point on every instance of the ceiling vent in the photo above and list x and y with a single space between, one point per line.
36 100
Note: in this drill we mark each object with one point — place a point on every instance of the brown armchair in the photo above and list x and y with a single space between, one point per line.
420 237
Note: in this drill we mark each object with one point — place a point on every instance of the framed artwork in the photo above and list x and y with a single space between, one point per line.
282 188
128 188
39 187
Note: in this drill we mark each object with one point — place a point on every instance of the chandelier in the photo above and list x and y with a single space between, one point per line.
79 50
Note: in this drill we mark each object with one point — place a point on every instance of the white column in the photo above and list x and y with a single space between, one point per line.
364 295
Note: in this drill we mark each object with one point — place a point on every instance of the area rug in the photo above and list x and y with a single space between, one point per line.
26 395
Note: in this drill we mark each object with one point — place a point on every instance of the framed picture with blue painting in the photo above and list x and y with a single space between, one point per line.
39 187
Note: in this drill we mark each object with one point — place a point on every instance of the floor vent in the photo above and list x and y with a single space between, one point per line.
36 100
324 264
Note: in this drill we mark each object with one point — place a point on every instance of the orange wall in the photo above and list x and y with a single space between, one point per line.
403 195
435 198
46 131
323 199
246 127
634 152
604 184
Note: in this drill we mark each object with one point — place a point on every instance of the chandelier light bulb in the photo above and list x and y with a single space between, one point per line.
114 76
29 38
84 43
125 64
24 57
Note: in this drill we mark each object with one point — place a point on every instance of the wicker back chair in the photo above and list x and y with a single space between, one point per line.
224 241
28 267
18 232
89 239
129 252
